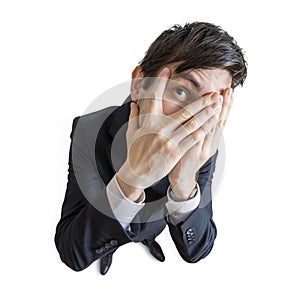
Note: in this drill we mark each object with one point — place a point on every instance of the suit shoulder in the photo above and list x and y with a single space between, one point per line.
94 116
92 120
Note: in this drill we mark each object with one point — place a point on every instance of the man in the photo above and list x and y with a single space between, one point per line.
149 163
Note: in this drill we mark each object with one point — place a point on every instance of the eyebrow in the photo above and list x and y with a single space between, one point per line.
190 78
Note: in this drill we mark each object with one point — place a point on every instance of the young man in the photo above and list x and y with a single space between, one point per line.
149 163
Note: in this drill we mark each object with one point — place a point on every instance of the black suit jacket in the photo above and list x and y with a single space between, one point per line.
88 230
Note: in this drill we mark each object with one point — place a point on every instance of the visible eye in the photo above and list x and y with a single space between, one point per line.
182 93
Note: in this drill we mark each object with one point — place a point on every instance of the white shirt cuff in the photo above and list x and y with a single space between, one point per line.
180 211
123 208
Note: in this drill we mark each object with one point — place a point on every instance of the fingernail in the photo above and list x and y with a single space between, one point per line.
216 105
215 97
165 72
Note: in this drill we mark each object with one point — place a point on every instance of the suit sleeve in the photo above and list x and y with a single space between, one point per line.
84 233
194 238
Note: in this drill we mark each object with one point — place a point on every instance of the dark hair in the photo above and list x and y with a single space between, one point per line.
196 45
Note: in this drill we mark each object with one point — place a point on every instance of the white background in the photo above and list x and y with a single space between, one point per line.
57 57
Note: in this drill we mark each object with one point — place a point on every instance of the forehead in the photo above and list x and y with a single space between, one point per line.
215 75
208 79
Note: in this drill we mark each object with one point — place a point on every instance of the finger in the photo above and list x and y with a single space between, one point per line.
133 118
226 97
227 103
211 142
155 92
197 136
193 108
196 122
229 106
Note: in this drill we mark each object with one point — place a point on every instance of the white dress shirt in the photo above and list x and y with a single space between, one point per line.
125 210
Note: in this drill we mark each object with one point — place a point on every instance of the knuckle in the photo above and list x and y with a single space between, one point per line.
185 114
208 111
169 146
206 100
191 124
199 134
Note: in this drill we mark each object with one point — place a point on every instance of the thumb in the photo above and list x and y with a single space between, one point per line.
133 120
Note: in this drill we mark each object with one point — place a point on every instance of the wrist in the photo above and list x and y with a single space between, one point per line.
183 192
130 192
130 178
